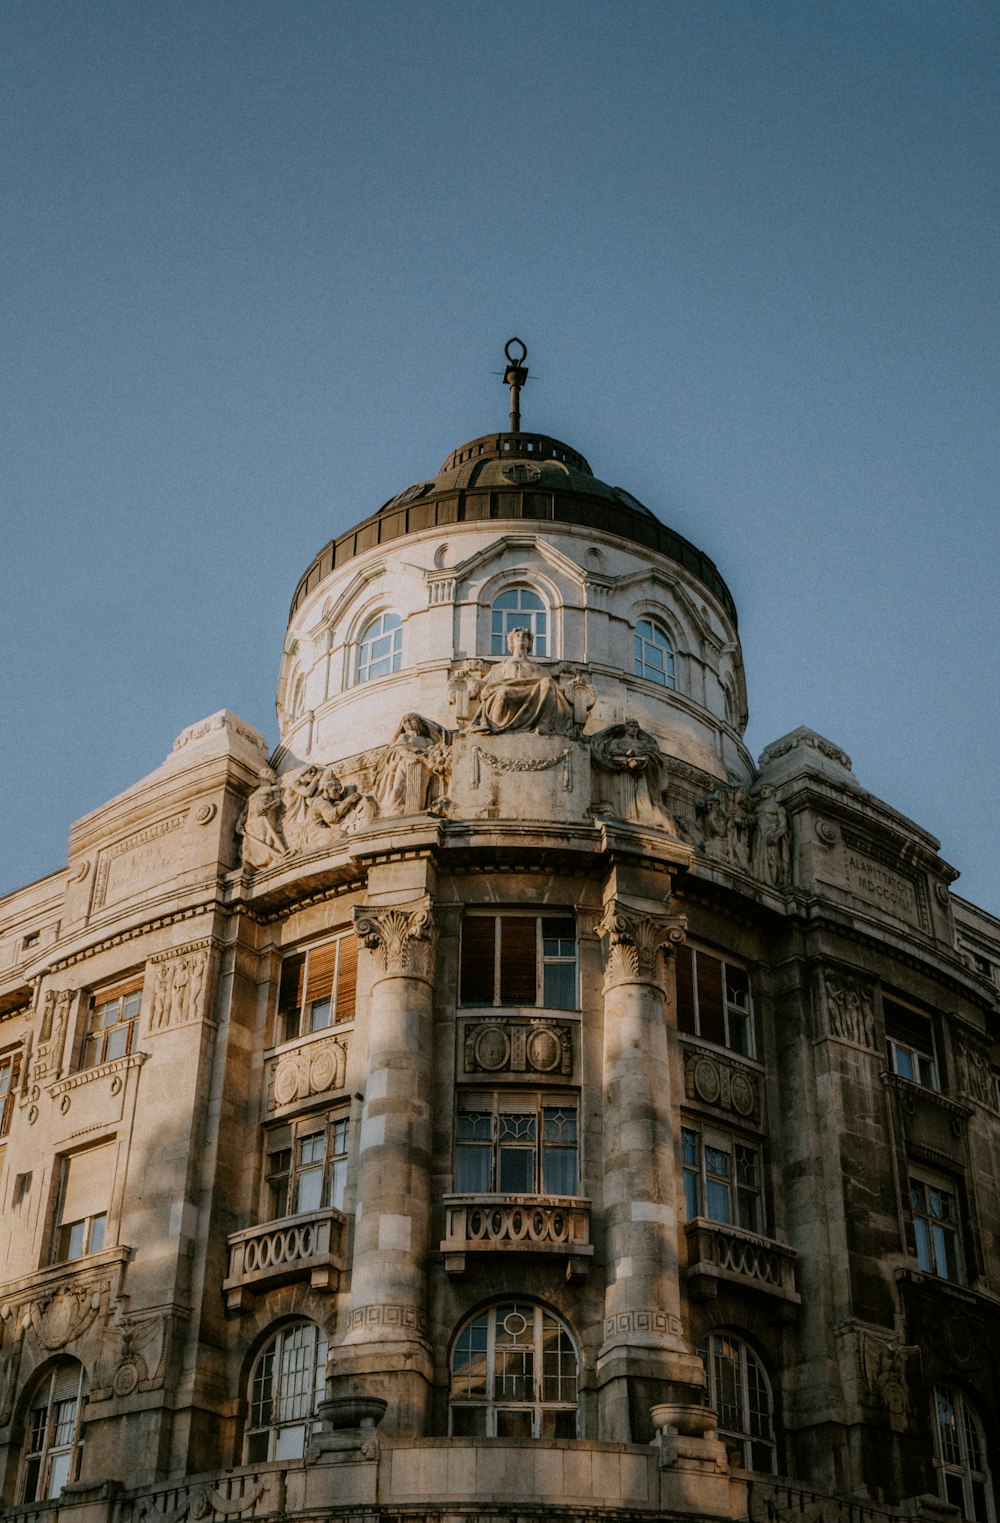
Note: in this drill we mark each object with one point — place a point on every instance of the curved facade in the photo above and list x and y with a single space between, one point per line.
505 1096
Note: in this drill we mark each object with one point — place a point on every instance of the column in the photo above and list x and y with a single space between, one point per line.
384 1352
644 1359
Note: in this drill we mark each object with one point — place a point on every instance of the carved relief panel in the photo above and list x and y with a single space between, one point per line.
724 1084
517 1047
178 983
317 1068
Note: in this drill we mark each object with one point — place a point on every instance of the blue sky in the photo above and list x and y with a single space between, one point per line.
260 261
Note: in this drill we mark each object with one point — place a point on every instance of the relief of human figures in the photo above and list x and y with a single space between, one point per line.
410 774
519 694
635 772
260 823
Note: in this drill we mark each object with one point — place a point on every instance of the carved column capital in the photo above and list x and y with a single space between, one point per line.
401 936
632 939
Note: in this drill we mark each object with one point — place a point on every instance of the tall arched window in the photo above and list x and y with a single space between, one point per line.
519 608
52 1446
287 1381
380 648
514 1374
960 1456
653 654
738 1389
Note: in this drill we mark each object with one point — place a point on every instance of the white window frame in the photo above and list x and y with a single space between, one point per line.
736 1016
332 1131
387 625
289 1401
917 1063
59 1443
644 639
10 1069
489 1134
536 619
934 1229
967 1436
749 1367
478 1345
306 1009
124 1000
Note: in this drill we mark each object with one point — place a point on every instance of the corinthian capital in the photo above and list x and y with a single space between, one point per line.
401 936
632 940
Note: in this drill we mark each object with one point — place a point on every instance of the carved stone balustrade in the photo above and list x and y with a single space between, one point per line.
517 1224
717 1252
295 1247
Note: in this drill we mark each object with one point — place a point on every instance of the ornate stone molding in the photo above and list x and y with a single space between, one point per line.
633 939
975 1077
534 1046
406 1317
313 1069
716 1081
653 1321
402 937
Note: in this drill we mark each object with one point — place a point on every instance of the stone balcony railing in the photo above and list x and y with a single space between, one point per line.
517 1224
295 1247
718 1252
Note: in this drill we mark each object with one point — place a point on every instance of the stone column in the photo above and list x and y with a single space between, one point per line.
644 1359
384 1352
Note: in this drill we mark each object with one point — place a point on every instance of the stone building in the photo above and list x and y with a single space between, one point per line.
505 1096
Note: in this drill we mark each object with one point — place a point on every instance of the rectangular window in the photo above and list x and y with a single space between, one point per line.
10 1064
85 1181
713 1001
511 1143
723 1178
306 1166
936 1226
318 988
112 1024
909 1040
519 960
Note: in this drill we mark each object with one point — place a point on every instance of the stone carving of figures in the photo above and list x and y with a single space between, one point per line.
181 989
328 806
260 824
519 695
415 758
715 825
298 792
773 840
161 996
742 818
197 979
634 757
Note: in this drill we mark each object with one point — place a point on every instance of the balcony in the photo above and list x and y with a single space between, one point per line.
718 1252
517 1224
294 1248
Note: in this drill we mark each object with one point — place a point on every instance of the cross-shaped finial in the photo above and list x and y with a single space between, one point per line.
515 376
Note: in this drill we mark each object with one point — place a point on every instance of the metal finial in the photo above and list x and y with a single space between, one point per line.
515 376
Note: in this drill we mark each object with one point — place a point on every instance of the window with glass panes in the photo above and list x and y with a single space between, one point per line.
909 1040
516 1143
287 1381
51 1454
112 1024
936 1226
514 1374
960 1456
10 1063
519 608
380 648
306 1166
318 988
723 1178
519 960
652 653
713 1000
738 1389
85 1181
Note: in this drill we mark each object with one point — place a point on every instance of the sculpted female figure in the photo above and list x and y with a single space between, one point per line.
259 825
519 694
413 758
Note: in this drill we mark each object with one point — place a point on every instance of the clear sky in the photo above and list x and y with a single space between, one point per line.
259 263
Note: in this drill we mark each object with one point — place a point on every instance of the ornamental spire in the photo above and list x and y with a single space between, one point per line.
515 376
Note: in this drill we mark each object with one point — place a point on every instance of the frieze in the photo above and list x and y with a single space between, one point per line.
535 1046
849 1003
179 979
314 1069
131 1356
718 1082
387 1315
652 1321
975 1076
522 764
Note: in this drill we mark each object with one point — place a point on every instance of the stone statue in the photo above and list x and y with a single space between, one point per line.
298 791
328 806
519 694
260 824
413 762
635 762
773 840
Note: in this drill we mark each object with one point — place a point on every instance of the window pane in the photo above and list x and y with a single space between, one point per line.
559 986
290 994
468 1422
517 1171
518 955
478 960
559 1171
513 1423
472 1170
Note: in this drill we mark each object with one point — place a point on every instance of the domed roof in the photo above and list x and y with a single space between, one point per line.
515 475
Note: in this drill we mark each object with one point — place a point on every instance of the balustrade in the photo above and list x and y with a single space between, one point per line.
717 1251
274 1252
518 1224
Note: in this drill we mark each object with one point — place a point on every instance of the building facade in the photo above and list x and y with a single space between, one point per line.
504 1096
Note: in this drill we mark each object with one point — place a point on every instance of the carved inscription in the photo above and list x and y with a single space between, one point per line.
883 886
135 863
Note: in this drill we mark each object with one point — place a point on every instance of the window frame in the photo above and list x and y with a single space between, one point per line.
305 1421
282 1181
380 626
46 1450
736 1017
933 1232
505 619
126 996
967 1425
306 1007
497 1148
908 1055
543 960
86 1234
642 668
476 1343
748 1362
701 1182
10 1066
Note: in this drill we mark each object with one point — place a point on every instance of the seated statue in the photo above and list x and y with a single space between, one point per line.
633 755
414 759
519 694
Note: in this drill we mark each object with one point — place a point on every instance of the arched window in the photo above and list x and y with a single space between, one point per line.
51 1454
653 653
738 1389
519 608
514 1374
960 1456
287 1381
380 648
298 696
